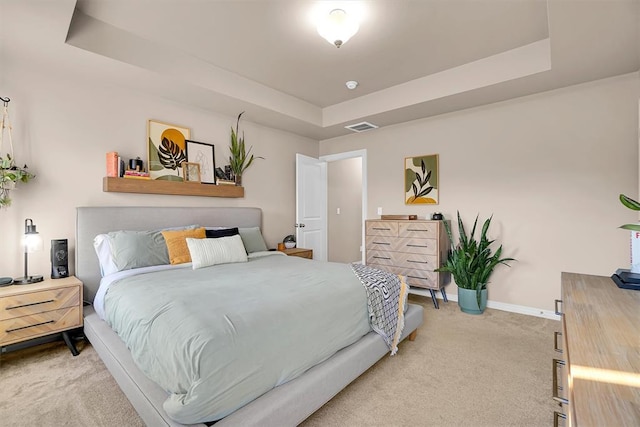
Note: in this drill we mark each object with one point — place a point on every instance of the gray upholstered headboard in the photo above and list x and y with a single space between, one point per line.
91 221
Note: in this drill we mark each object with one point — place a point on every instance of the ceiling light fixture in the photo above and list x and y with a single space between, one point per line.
337 27
351 84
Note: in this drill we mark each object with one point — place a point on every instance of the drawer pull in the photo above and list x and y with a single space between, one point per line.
555 341
381 243
416 277
556 387
29 326
416 246
380 228
558 312
30 304
381 257
417 262
557 416
412 229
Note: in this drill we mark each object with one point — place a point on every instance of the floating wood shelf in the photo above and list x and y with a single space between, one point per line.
148 186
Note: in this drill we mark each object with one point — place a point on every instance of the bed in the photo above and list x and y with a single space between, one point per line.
287 404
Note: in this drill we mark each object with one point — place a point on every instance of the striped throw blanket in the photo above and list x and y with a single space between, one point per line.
386 300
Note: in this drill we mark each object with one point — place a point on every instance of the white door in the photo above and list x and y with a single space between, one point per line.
311 205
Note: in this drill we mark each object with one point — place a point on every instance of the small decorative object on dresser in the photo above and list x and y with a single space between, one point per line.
289 241
471 263
32 242
39 309
399 217
630 278
413 248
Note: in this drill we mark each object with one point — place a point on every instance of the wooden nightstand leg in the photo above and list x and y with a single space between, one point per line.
70 344
433 297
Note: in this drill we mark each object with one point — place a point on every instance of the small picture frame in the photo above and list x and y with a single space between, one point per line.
203 154
191 171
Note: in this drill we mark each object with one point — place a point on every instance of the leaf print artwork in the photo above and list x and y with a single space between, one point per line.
421 180
167 150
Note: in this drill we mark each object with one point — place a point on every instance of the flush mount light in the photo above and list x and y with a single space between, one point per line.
337 27
351 84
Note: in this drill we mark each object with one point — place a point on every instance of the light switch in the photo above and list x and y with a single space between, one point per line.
379 211
337 211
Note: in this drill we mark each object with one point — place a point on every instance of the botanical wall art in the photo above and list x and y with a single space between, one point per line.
167 150
204 154
421 180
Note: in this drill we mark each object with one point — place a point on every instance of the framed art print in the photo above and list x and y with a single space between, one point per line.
421 180
167 150
204 154
191 171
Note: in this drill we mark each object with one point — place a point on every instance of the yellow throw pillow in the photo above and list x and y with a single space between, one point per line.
177 243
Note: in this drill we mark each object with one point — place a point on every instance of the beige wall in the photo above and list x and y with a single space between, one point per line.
63 128
345 193
549 167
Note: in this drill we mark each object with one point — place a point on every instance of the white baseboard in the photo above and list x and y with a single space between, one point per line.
513 308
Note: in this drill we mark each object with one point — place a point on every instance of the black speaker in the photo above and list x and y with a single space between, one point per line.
59 259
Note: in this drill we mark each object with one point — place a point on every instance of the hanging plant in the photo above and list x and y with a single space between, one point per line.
10 174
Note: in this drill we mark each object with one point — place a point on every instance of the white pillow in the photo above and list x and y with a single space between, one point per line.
223 250
102 245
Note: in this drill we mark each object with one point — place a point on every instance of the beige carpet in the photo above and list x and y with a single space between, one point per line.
462 370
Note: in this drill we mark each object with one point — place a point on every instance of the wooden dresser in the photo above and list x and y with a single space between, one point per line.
599 365
39 309
413 248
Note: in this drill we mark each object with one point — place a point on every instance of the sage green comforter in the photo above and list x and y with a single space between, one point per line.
218 337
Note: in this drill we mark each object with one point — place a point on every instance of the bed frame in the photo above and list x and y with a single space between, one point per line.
285 405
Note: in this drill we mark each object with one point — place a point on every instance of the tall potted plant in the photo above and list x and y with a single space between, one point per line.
240 158
471 263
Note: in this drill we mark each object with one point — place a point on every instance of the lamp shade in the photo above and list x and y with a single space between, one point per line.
337 27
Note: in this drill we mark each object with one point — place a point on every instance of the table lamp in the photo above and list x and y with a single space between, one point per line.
32 242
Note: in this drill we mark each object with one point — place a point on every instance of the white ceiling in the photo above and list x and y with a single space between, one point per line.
412 58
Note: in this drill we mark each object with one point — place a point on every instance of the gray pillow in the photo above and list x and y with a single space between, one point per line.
252 239
136 249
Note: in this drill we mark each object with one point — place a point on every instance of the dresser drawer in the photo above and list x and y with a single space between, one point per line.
416 278
415 261
38 302
424 230
21 328
375 258
406 244
381 228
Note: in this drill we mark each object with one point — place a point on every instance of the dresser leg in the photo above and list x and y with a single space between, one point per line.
70 344
444 295
433 297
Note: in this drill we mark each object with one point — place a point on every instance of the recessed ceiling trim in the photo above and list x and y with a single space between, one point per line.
513 64
361 127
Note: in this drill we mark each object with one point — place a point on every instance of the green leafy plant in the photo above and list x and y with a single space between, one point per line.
10 174
634 206
240 158
471 262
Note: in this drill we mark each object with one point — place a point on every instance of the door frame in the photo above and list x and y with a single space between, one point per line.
350 155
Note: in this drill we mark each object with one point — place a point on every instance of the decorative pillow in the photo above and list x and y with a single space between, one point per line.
222 250
177 244
252 239
127 249
221 232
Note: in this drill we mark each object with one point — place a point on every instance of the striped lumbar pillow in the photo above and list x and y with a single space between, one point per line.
223 250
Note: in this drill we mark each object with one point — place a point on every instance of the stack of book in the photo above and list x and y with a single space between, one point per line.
136 174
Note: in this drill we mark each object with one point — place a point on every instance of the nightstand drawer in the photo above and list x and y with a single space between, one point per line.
21 328
38 302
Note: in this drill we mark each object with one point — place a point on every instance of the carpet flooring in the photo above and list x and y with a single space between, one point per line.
462 370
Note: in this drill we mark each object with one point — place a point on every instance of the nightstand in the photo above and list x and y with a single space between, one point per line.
299 252
39 309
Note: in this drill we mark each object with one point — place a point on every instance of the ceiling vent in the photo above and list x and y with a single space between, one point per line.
361 127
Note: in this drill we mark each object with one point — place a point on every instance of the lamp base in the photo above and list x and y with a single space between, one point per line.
27 280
